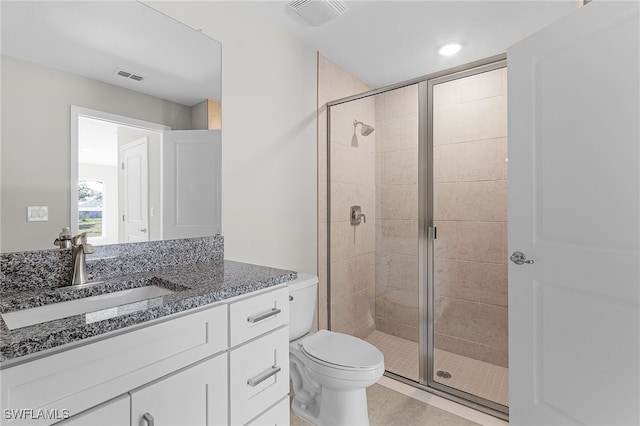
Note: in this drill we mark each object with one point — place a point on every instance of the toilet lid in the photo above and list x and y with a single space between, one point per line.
342 349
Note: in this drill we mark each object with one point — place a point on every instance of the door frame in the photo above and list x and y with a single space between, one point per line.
426 304
76 112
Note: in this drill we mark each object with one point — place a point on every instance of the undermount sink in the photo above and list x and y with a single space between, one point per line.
97 305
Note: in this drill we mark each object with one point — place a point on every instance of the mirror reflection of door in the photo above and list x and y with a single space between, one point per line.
129 199
134 190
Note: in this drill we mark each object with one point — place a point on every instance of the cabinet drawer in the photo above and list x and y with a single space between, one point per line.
85 376
278 415
112 413
258 375
257 315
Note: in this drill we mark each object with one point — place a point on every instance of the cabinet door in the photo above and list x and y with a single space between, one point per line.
278 415
112 413
193 396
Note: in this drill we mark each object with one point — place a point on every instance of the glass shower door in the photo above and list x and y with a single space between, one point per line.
469 214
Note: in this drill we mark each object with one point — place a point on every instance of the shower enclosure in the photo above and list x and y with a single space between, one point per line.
424 277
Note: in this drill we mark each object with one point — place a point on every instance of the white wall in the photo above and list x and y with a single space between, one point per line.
269 160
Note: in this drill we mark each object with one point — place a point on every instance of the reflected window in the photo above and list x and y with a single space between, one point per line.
90 207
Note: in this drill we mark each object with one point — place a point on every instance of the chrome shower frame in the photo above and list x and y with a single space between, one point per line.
426 229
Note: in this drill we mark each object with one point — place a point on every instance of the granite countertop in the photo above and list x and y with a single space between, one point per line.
194 285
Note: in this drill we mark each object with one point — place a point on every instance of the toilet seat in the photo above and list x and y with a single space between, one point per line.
342 351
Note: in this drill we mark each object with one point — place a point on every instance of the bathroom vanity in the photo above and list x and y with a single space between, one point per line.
213 351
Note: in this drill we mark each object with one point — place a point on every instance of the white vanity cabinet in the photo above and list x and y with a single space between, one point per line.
259 357
180 371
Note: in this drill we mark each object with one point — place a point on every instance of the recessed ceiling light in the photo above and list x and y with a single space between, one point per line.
449 49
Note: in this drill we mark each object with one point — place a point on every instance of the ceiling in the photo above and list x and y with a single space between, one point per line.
381 42
387 42
97 38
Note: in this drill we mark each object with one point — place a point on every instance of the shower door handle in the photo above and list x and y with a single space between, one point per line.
520 258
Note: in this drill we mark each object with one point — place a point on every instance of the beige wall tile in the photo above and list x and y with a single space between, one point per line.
401 101
345 195
400 330
399 202
400 167
352 165
472 321
481 86
401 296
401 314
500 357
398 271
445 94
473 281
398 236
350 241
473 88
479 201
335 83
473 241
380 106
398 132
463 347
470 161
478 120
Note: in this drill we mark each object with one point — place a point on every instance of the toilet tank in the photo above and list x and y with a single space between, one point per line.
302 304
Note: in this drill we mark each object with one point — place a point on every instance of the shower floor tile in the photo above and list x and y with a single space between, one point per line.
400 355
469 375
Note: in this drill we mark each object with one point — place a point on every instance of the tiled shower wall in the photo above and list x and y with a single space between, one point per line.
470 212
396 277
353 179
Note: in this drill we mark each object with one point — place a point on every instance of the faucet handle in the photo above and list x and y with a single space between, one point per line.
88 248
79 239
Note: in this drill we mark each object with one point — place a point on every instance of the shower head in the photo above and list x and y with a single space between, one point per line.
366 129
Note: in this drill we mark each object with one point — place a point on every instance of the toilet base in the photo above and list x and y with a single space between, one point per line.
343 408
336 408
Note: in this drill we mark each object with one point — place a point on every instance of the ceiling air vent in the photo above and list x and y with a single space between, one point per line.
127 74
318 12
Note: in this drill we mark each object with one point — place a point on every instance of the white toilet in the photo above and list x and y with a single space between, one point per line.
330 371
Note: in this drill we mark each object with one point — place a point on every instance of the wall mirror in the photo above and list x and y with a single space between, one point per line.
110 124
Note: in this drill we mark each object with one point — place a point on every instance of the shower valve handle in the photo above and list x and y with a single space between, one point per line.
356 215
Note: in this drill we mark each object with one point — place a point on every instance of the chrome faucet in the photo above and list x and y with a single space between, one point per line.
80 248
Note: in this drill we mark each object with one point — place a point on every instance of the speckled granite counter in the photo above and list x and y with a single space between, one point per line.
195 285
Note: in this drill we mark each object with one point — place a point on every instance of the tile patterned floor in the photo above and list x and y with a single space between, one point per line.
390 408
476 377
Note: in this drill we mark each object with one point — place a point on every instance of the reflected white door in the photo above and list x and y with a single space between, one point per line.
191 161
574 188
135 191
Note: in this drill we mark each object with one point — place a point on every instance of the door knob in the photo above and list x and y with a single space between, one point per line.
519 258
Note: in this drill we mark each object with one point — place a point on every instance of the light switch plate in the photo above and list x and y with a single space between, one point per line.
37 213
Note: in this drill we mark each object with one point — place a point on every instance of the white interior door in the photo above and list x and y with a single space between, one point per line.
191 161
135 191
574 188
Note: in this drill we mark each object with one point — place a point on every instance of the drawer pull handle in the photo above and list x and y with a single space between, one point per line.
264 376
260 317
148 418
